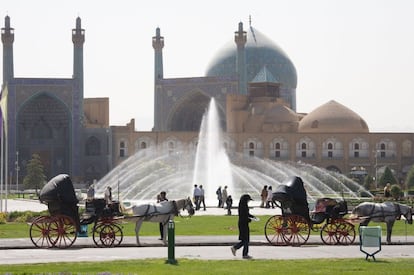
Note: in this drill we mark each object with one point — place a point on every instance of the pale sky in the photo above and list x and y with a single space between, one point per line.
359 53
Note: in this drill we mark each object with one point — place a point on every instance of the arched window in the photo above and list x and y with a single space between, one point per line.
143 145
359 148
122 149
382 150
303 146
251 149
277 150
330 148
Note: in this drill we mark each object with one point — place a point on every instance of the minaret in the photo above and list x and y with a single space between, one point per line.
7 37
78 38
240 37
158 45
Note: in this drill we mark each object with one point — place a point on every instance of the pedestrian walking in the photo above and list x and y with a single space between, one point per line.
263 195
202 201
196 196
270 202
244 231
224 196
219 196
229 204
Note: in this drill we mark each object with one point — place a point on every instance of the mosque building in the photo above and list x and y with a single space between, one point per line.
254 84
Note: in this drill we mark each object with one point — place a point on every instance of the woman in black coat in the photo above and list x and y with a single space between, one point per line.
244 231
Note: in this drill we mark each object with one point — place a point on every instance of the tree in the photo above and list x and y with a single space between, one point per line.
35 177
387 177
396 192
409 180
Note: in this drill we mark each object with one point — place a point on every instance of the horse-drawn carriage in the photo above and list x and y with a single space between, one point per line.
61 228
294 225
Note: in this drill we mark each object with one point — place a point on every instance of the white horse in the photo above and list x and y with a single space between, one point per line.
386 212
161 213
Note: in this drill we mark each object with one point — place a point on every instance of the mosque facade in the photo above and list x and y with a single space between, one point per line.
254 84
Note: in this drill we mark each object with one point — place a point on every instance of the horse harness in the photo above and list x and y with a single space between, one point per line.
156 212
397 213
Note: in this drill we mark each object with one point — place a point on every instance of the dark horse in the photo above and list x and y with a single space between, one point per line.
386 212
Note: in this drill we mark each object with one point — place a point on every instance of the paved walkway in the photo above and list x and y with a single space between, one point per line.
13 251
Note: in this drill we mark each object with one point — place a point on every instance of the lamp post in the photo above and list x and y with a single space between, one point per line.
376 169
17 171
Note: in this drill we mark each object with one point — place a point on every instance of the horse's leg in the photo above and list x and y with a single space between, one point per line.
389 231
137 228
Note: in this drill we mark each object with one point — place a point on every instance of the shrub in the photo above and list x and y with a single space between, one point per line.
396 191
3 218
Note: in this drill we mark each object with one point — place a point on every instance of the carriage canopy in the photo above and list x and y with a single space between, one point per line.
59 188
293 198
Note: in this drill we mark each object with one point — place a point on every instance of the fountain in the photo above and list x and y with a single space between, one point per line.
143 175
212 165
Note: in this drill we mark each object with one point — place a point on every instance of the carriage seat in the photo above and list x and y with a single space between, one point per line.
329 208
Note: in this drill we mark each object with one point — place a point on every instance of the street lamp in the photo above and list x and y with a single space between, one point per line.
376 168
17 171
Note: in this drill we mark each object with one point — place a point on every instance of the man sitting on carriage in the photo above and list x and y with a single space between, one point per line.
60 197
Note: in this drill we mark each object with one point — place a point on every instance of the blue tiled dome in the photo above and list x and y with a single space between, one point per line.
260 52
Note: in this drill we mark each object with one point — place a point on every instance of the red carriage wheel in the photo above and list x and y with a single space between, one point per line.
297 230
62 231
274 228
96 234
39 232
345 232
118 235
328 234
109 235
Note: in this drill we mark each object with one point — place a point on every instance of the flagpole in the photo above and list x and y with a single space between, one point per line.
6 168
1 168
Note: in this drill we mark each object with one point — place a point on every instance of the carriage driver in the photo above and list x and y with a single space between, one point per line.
108 195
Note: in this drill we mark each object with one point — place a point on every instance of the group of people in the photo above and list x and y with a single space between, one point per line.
267 197
224 199
198 197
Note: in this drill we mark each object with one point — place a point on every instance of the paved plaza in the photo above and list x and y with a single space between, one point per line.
14 251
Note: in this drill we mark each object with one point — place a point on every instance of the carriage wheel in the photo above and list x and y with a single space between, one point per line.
107 235
39 232
62 231
345 232
329 234
297 230
274 228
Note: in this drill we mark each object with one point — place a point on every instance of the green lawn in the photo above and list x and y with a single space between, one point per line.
185 266
197 225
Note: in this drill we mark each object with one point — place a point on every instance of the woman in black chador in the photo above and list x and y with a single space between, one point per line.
244 231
